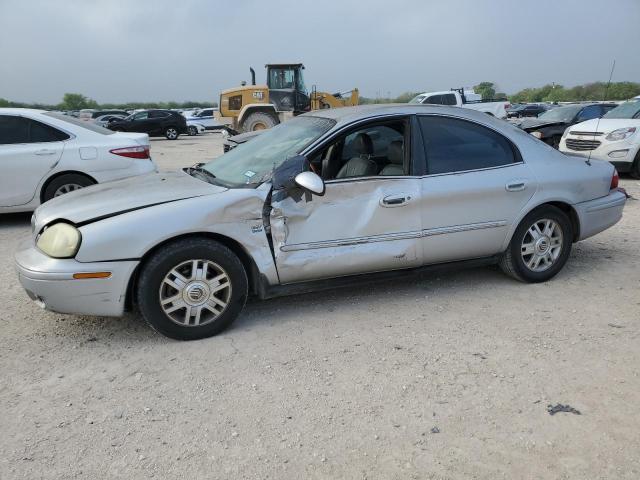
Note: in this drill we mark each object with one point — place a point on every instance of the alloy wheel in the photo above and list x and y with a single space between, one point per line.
542 245
172 133
66 188
195 292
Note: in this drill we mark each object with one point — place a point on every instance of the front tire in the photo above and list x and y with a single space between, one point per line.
540 246
171 133
258 121
193 131
192 289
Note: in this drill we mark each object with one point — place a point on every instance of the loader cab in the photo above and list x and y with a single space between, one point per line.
287 90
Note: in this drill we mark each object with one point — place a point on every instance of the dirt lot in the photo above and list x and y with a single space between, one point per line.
448 377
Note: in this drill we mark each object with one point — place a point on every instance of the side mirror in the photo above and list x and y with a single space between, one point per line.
310 182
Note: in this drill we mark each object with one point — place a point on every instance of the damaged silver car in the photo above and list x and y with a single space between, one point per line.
328 198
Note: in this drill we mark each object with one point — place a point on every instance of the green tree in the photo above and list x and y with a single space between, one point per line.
486 90
77 101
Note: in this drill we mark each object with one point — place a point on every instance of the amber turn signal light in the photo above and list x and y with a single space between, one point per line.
80 276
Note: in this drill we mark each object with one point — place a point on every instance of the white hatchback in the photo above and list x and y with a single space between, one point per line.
46 154
614 138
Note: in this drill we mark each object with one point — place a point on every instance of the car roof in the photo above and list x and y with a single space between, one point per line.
20 111
349 114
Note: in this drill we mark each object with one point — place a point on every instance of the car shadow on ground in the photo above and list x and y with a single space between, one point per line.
22 219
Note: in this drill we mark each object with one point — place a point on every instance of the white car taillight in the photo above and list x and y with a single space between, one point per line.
141 152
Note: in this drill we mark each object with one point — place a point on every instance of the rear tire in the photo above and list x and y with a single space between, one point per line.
65 184
258 121
192 289
171 133
540 246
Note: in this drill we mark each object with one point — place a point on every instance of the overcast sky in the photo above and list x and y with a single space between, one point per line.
126 50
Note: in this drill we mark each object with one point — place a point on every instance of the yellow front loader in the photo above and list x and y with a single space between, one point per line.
256 107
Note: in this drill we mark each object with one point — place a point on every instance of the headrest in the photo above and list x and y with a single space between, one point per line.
362 144
395 153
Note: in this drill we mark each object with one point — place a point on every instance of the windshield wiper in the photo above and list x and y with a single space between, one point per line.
197 169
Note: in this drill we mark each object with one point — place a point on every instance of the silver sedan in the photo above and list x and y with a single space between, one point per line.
326 199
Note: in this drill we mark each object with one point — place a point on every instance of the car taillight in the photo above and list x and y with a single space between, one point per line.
507 105
132 152
614 180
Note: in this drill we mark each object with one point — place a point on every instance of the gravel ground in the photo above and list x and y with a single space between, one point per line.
446 377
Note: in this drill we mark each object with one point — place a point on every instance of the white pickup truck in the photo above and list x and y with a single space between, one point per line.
465 99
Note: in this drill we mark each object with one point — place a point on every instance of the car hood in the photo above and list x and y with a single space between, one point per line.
606 125
113 198
245 137
529 124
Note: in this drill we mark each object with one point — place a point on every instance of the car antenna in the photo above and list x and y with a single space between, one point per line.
606 90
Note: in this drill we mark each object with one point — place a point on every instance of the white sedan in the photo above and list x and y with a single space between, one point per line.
46 154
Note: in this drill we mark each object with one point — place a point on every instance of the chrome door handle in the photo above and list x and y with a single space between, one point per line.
394 200
516 186
45 152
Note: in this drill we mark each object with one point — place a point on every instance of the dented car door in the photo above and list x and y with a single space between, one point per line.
360 225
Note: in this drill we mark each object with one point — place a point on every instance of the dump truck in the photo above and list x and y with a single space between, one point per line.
256 107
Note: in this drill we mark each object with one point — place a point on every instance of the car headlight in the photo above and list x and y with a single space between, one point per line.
60 240
537 134
621 134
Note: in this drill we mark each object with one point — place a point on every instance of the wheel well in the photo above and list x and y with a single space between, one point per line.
253 275
263 109
571 213
60 174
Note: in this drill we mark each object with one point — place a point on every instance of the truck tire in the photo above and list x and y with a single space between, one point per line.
258 121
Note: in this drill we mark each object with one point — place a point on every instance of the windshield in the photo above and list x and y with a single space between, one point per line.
252 162
94 127
561 114
417 99
624 110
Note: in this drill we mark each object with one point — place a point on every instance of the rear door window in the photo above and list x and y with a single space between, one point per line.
449 99
455 145
13 130
434 99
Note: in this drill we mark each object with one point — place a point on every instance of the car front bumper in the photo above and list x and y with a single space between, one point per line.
51 284
620 154
599 214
